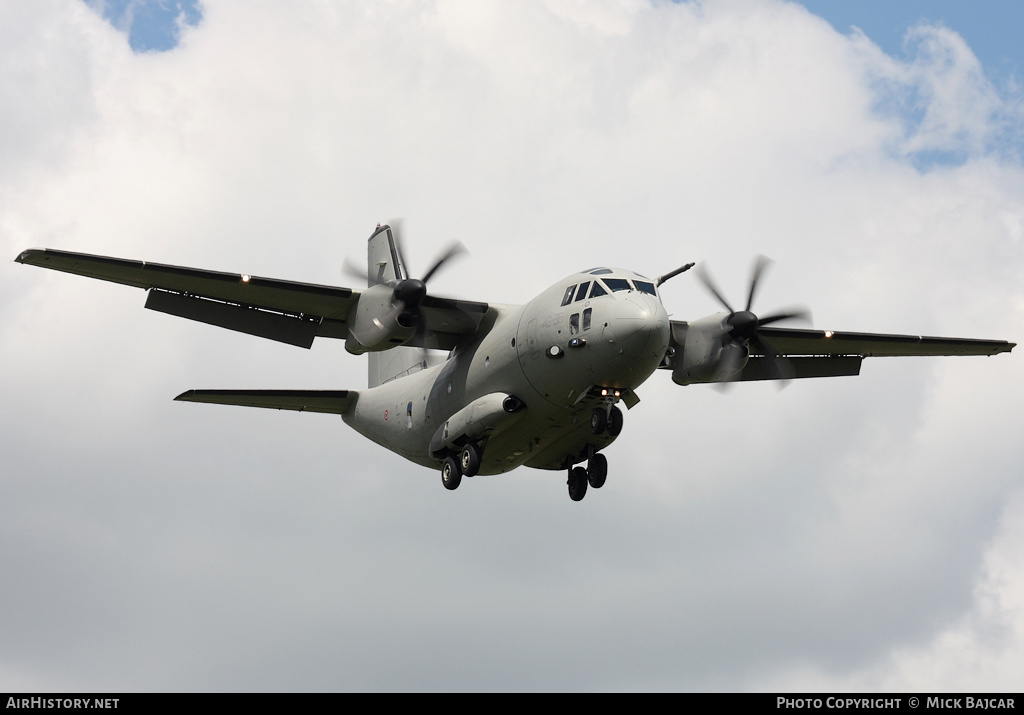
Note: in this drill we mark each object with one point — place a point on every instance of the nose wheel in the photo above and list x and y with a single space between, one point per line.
606 420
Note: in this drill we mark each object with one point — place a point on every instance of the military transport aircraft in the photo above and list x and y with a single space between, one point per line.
535 384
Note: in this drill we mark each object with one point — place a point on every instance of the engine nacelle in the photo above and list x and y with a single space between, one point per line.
378 321
706 350
481 417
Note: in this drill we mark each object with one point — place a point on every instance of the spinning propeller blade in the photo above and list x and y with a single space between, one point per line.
743 326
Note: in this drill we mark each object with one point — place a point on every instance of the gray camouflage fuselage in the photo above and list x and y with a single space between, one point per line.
539 353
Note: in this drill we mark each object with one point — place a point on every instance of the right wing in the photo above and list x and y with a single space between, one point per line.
286 311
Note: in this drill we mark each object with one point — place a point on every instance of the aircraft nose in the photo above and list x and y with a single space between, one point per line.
638 332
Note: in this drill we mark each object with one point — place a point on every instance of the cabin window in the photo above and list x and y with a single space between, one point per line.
598 290
408 415
587 315
617 284
574 323
645 287
582 292
567 298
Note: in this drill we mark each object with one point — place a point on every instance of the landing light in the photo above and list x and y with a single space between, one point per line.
829 333
245 277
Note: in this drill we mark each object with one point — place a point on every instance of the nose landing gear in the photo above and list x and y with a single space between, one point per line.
604 419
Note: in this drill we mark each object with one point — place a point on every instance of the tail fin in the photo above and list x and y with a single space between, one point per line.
384 264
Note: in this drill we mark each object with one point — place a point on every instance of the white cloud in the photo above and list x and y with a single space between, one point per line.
981 652
844 533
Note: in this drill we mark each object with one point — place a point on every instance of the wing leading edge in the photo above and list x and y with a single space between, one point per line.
790 341
286 311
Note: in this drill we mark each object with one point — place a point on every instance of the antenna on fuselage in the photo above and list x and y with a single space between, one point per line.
673 274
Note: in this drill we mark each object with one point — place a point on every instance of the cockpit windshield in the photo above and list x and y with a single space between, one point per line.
617 284
605 285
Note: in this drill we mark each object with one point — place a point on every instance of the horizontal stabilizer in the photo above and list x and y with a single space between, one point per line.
330 401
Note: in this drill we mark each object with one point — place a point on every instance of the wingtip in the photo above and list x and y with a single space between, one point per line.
25 255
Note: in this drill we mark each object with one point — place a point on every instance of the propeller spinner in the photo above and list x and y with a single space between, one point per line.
743 326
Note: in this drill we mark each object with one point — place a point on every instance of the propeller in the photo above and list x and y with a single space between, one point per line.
408 294
743 326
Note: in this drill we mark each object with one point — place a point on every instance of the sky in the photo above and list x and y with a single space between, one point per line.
854 534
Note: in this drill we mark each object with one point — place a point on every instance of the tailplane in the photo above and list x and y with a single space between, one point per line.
335 402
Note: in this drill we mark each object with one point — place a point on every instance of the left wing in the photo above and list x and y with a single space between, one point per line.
787 353
790 341
286 311
828 353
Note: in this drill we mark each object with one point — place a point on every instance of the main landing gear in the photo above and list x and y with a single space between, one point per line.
465 464
594 475
604 419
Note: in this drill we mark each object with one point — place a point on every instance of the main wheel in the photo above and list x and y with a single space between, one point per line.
451 477
598 420
615 421
469 460
577 483
597 470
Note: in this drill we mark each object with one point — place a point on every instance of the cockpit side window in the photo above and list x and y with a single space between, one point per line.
617 284
645 287
582 292
567 298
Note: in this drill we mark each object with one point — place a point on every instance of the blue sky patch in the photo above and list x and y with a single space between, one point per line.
151 25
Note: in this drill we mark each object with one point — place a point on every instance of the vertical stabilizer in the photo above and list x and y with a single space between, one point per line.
384 264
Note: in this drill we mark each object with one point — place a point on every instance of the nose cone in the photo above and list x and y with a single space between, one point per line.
635 339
